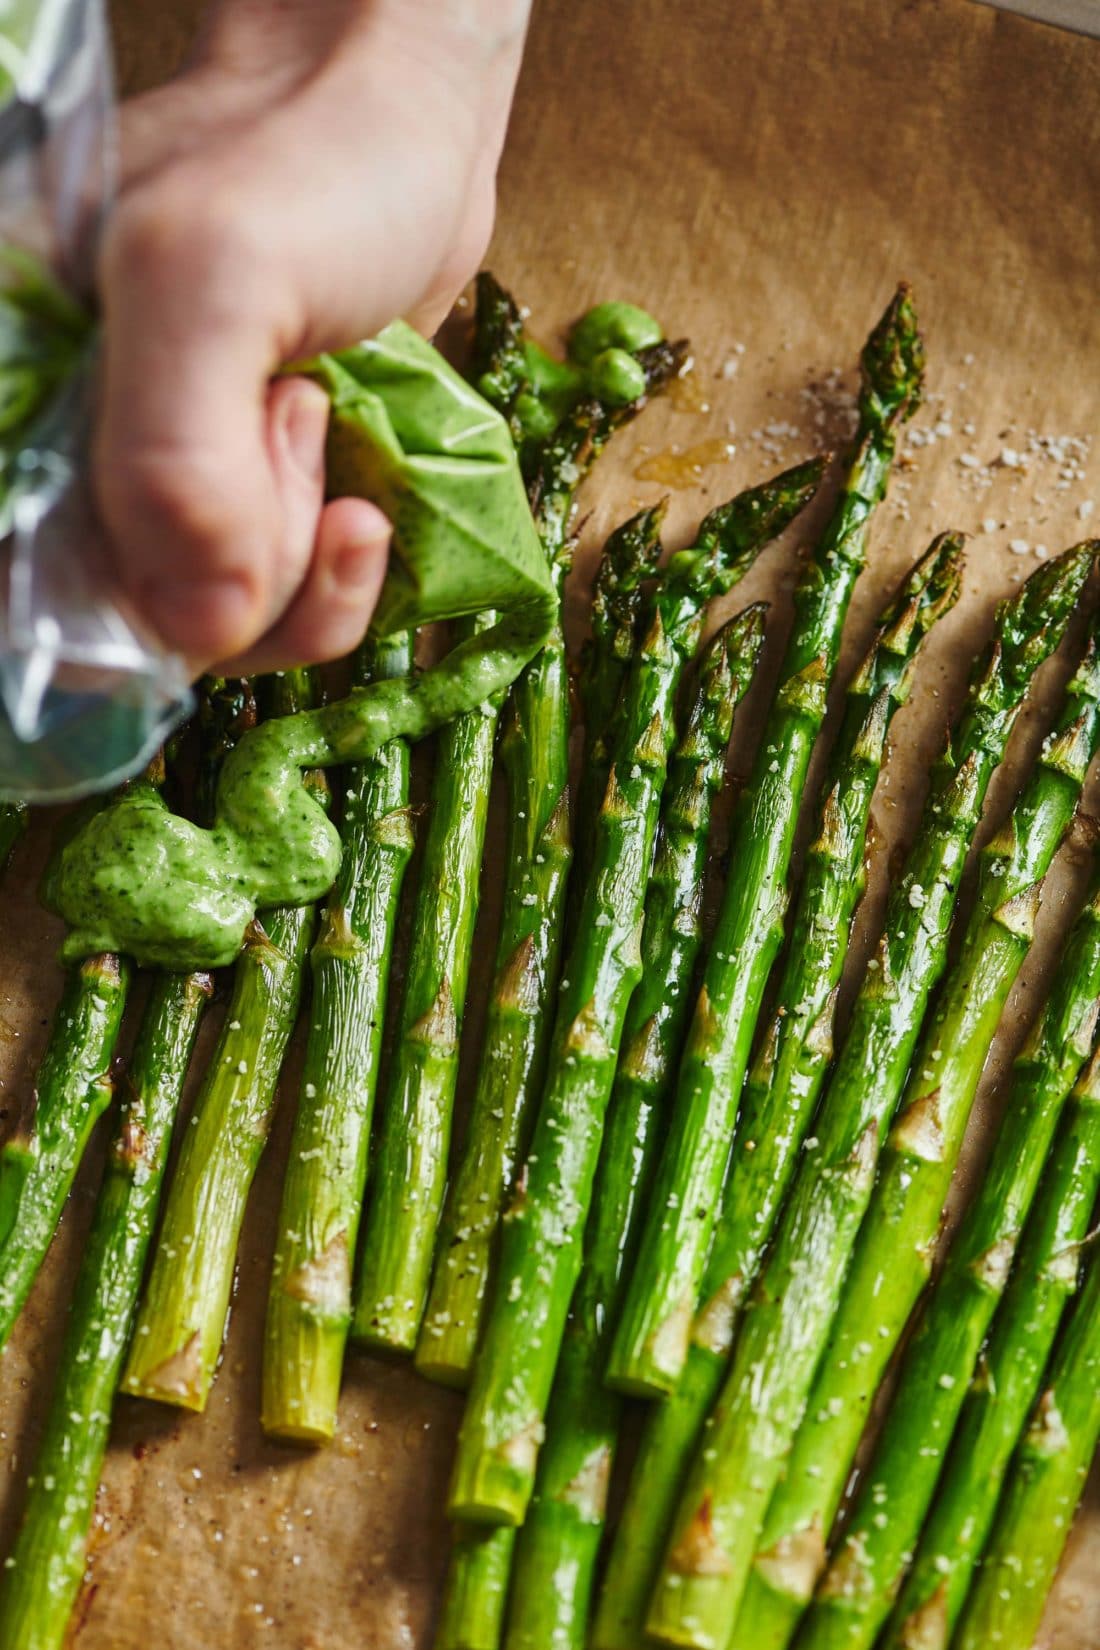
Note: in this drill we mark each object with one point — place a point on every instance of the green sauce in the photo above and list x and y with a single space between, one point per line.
139 879
617 377
599 363
612 326
409 433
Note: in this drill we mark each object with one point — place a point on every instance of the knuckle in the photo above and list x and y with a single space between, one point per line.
177 229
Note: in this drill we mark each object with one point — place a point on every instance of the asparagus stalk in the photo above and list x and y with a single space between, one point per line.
560 1539
541 1242
651 1340
1044 1487
13 822
893 1255
734 1472
44 1573
535 756
629 558
1009 1371
309 1305
226 708
500 365
410 1165
73 1088
862 1581
475 1594
785 1080
181 1319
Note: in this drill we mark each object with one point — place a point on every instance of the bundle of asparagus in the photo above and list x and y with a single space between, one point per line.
668 1181
43 1574
541 1241
728 1487
735 979
897 1239
855 1594
1007 1375
560 1539
786 1078
549 1598
650 1344
181 1320
557 452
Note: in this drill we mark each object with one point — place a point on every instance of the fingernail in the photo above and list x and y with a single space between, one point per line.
304 425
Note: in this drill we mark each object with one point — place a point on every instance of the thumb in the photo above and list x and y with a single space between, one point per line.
332 607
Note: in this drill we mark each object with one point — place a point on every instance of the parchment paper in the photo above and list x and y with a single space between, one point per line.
760 175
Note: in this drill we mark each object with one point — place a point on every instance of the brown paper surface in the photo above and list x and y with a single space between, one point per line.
760 175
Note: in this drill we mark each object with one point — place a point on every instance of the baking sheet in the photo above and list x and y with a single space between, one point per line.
760 175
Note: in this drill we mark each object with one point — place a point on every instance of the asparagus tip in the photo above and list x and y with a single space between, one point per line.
760 514
1043 604
893 363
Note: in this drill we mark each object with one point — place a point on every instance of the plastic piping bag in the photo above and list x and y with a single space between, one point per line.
85 694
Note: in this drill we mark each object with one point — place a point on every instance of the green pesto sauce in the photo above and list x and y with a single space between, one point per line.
600 363
612 326
139 879
407 432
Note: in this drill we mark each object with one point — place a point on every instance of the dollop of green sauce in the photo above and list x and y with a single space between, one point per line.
599 363
612 326
617 377
409 433
139 879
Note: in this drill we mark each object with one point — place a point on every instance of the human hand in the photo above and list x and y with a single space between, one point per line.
319 168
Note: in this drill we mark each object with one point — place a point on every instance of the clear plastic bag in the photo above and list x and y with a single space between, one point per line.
86 695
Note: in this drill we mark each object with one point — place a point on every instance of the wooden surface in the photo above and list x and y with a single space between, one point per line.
760 175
